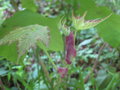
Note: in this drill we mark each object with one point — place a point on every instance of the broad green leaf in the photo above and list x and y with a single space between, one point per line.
109 30
27 37
29 4
102 75
25 18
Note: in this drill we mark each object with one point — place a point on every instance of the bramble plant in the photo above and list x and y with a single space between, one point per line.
39 50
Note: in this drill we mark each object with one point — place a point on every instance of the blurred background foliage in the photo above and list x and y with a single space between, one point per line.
30 76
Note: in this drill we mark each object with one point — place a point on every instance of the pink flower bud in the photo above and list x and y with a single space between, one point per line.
70 48
62 71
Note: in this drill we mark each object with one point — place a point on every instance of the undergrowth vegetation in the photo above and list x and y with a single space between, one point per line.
59 45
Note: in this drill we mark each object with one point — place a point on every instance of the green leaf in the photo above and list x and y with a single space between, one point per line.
3 71
26 37
29 4
102 75
113 81
103 79
81 24
82 85
109 30
25 18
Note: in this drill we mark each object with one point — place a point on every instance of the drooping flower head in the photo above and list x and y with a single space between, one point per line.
70 48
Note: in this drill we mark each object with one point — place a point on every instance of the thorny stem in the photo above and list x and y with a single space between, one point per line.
1 85
42 65
64 52
50 59
75 34
45 70
95 63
